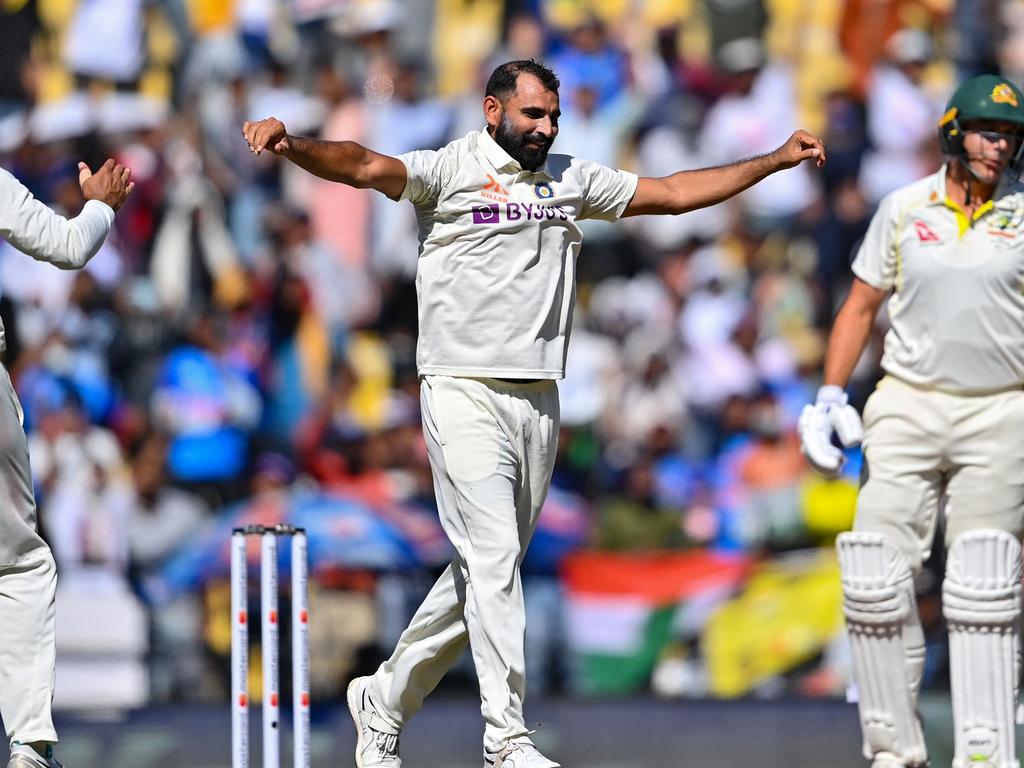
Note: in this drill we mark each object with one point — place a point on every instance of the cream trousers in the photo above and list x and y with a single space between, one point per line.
925 450
28 584
492 449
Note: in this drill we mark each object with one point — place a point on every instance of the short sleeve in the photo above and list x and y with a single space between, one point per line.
428 173
875 262
605 192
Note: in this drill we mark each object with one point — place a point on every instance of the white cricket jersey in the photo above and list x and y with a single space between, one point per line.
957 307
35 229
496 277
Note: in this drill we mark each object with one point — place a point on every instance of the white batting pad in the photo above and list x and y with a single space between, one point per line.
981 597
887 646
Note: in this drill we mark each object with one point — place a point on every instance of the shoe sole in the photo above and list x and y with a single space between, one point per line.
493 763
354 693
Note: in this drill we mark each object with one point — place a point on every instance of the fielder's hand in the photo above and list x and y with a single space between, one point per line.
111 184
830 413
799 147
269 134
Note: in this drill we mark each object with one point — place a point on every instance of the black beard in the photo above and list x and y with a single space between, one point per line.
530 158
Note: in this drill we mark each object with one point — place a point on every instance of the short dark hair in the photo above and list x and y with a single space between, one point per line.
502 82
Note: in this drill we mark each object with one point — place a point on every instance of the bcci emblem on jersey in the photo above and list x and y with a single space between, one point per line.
543 190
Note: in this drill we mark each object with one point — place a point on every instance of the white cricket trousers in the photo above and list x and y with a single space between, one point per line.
492 449
922 446
28 584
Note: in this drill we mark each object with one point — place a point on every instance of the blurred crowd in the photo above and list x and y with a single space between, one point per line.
248 328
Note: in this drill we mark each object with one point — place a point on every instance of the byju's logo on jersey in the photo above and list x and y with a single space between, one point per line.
494 212
486 214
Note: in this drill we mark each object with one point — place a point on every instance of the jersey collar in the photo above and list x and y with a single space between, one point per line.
937 193
502 160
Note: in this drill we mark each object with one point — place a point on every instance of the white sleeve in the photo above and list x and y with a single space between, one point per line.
428 173
34 228
876 259
606 193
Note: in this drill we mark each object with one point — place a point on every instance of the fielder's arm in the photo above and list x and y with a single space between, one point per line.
343 161
688 190
37 230
850 331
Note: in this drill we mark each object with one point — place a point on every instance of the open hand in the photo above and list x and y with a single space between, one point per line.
111 184
799 147
268 133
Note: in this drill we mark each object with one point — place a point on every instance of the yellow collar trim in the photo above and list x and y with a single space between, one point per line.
962 221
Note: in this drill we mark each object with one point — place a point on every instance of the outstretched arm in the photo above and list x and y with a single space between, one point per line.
688 190
36 229
343 161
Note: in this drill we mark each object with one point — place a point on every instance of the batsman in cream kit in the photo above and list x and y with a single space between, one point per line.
942 432
496 287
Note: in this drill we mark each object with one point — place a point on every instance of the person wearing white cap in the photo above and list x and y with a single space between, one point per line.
944 430
28 577
499 235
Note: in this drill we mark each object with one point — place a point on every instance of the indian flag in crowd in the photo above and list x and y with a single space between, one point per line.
624 609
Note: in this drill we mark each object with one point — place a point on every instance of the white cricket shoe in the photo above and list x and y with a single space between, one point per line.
23 756
518 755
376 740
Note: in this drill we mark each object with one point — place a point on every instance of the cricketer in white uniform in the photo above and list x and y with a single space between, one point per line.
28 576
499 237
945 424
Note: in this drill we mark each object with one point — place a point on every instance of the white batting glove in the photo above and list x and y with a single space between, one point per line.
830 413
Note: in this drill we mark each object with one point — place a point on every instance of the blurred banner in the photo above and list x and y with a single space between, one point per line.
788 612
